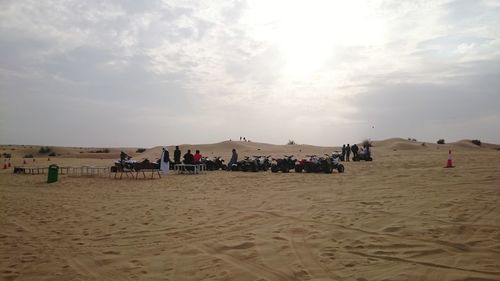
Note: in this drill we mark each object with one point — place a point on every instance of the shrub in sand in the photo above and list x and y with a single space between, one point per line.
44 149
52 154
140 150
440 141
476 142
291 142
28 156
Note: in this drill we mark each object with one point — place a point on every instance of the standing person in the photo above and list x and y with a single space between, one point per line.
347 152
164 161
177 155
124 157
343 153
197 157
354 149
188 157
234 159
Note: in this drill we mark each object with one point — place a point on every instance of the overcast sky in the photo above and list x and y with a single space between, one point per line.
147 73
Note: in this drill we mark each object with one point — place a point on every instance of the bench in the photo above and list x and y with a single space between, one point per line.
190 168
131 172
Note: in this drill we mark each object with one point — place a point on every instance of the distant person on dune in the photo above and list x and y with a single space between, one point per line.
234 159
177 155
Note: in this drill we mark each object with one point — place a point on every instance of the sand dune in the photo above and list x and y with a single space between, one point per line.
401 217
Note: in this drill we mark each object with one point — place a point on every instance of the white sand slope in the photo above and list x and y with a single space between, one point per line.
401 217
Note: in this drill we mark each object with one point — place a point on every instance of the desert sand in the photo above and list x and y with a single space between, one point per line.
401 217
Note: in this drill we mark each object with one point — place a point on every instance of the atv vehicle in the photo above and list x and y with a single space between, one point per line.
247 164
335 158
219 163
283 164
208 163
133 165
254 163
263 162
363 155
314 164
213 165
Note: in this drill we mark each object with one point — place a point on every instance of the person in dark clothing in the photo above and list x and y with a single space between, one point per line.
343 153
177 155
124 157
354 149
234 159
347 152
188 158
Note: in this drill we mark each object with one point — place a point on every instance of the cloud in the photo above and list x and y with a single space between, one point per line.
197 71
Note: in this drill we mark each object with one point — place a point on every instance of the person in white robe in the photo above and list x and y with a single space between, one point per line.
165 161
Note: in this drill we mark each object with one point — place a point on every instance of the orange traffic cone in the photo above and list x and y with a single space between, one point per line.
4 164
8 164
24 161
449 164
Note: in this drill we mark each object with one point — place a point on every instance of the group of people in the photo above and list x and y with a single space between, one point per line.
188 158
346 151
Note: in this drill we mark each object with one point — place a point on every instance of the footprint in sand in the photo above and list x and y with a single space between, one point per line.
392 229
111 253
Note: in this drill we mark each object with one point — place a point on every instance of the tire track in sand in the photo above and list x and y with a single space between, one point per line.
306 258
254 269
81 264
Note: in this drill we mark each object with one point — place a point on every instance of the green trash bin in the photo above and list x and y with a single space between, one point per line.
53 173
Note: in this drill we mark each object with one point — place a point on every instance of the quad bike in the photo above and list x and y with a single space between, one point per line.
219 163
263 162
363 155
215 164
235 167
132 165
283 164
208 163
314 164
336 165
254 164
245 165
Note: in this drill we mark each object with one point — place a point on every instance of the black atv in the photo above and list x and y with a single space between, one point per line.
219 163
365 155
248 164
283 164
263 162
215 164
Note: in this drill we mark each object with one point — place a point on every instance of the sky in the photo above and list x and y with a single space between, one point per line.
164 72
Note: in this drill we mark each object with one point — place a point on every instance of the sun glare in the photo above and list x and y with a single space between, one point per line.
307 33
